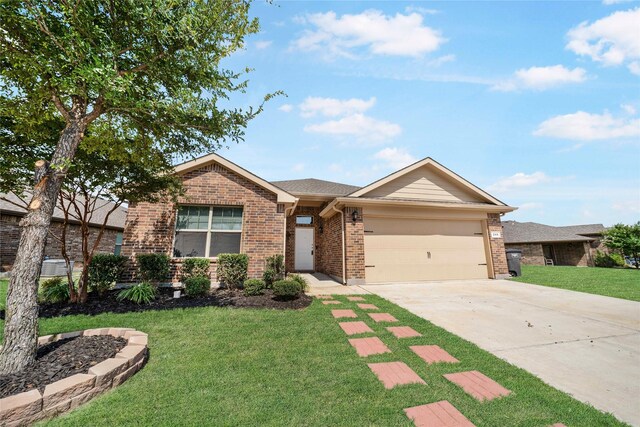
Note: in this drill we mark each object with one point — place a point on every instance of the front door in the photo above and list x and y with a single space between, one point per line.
304 249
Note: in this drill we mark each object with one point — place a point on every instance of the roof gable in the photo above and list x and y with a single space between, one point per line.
426 180
312 186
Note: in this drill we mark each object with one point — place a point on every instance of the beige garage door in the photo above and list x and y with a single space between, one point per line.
404 250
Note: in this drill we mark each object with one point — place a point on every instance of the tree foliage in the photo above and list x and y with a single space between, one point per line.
626 239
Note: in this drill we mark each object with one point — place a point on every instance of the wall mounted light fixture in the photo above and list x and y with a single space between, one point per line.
354 216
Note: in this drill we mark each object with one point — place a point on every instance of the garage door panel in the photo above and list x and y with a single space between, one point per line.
401 250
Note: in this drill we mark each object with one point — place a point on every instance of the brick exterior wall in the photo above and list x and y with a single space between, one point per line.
496 245
331 248
10 236
572 253
150 227
354 243
531 252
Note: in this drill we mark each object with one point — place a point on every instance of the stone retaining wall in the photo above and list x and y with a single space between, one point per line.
26 408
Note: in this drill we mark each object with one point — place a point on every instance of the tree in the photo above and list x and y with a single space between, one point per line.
626 239
146 72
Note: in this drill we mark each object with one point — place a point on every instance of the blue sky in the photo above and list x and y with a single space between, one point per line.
536 102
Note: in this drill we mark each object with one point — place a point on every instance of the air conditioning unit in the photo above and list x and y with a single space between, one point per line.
54 267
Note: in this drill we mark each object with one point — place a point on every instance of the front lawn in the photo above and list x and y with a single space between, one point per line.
4 283
611 282
224 366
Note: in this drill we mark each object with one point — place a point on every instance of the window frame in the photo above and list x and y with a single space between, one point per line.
304 216
209 230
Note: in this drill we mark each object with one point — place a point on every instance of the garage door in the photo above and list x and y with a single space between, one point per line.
404 250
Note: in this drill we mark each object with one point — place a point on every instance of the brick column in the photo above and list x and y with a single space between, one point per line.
498 255
354 245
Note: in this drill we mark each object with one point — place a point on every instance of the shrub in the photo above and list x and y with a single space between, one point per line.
287 289
104 270
55 289
197 285
608 260
300 280
142 293
232 269
195 267
617 259
274 264
254 287
153 268
269 276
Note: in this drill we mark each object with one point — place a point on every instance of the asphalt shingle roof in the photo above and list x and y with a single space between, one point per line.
585 229
532 232
315 186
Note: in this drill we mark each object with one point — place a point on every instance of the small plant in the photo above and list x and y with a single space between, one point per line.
608 260
104 270
195 267
300 280
269 276
275 264
232 269
142 293
153 268
197 285
286 289
254 287
55 289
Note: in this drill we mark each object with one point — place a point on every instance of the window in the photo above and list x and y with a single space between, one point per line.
118 248
206 231
304 220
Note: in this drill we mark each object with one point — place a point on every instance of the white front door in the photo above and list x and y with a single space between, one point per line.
304 249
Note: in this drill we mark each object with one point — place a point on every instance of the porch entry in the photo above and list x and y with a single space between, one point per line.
304 246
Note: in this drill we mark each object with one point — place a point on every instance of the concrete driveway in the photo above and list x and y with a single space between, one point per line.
586 345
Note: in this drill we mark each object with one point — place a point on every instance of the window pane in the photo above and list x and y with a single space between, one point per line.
227 219
224 243
193 218
190 244
304 220
118 238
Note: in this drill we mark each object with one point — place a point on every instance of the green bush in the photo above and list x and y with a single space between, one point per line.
142 293
300 280
194 267
286 289
608 260
55 289
232 269
275 267
269 276
105 270
153 268
197 285
254 287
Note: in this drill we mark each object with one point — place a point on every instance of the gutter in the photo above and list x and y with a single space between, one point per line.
344 254
284 232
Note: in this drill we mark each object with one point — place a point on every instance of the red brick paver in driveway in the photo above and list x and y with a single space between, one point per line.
368 307
438 414
558 425
368 346
355 298
433 354
324 296
353 328
382 317
331 301
343 313
478 385
403 331
395 373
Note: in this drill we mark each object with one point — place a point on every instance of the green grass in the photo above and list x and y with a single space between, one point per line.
3 292
228 367
611 282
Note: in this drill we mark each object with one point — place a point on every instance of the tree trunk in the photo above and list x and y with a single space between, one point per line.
21 321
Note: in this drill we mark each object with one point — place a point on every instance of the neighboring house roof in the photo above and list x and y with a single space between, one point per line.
585 229
312 186
283 196
116 219
532 232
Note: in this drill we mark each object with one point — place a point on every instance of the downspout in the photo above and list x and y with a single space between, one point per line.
344 254
287 213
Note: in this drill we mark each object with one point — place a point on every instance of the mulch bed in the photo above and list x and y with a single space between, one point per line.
59 360
164 301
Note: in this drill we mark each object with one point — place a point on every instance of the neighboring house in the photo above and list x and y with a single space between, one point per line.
544 244
10 216
420 223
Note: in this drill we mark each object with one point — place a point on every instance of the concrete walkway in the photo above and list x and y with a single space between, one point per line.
321 284
586 345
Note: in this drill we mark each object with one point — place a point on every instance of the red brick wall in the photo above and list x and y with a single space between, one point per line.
496 245
150 227
330 251
354 240
10 237
531 252
574 253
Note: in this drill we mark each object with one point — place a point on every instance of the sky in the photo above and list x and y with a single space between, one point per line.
537 103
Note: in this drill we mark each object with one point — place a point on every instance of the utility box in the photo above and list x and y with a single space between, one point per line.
514 256
54 267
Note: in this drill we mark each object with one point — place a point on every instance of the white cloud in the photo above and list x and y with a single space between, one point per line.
629 109
541 78
441 60
263 44
612 40
395 158
520 180
530 206
582 126
421 10
286 108
298 167
610 2
627 206
332 107
634 67
357 125
379 34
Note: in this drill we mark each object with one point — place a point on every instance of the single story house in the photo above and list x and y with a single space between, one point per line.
421 223
547 245
11 212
